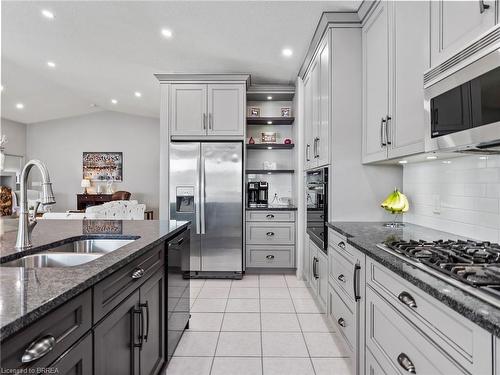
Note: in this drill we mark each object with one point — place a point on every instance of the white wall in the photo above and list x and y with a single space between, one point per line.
60 144
462 197
16 136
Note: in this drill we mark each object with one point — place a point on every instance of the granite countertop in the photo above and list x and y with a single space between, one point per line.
365 236
271 207
28 294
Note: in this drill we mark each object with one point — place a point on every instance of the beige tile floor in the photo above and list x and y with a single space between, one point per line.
261 325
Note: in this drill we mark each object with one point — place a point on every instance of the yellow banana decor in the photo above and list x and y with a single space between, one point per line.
396 202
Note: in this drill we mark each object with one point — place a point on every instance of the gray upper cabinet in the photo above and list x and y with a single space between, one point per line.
395 56
375 83
317 106
226 109
189 109
456 23
200 109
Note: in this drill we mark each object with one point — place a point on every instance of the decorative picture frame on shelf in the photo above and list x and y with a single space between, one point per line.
268 137
254 112
286 112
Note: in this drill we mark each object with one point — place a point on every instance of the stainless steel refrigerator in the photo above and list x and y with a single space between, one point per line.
206 187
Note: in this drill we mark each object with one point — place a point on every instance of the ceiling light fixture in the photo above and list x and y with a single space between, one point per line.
51 64
432 157
446 162
403 161
166 33
269 123
48 14
137 94
114 101
269 148
19 105
287 52
269 98
483 158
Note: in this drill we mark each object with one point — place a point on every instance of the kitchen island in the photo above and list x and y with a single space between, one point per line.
74 309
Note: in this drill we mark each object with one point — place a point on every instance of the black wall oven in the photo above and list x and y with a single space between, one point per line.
317 206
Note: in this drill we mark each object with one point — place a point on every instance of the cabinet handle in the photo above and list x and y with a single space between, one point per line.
270 216
341 244
178 243
406 363
316 275
139 312
341 322
355 282
204 121
138 273
308 147
388 136
38 348
407 299
146 305
483 6
270 257
210 121
270 234
316 142
341 277
382 124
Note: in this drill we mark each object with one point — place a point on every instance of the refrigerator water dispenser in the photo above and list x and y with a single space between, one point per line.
185 199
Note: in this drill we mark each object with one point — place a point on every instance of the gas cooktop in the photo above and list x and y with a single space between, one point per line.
465 264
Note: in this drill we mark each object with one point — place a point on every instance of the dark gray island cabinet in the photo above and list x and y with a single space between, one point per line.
118 326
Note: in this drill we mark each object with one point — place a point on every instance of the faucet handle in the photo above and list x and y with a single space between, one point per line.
37 204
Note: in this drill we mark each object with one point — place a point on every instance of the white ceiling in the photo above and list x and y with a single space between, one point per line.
110 49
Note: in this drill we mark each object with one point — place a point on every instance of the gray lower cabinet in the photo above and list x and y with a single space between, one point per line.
78 360
270 239
318 263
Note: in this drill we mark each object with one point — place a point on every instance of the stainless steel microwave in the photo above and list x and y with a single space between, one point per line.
464 108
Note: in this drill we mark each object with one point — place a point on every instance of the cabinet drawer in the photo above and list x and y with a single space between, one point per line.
270 216
66 325
109 292
339 242
270 256
77 360
316 216
341 272
389 335
265 233
467 343
342 316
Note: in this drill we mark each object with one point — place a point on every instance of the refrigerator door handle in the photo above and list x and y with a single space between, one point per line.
197 203
202 192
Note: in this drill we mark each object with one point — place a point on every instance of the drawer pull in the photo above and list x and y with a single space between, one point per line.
270 216
341 277
406 363
407 299
269 256
138 273
341 244
270 234
341 322
38 348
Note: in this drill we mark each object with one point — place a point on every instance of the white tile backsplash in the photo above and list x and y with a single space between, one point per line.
462 197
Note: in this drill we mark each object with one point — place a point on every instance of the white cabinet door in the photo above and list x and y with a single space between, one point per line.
313 259
375 83
307 260
456 23
226 109
313 131
188 110
308 157
322 269
322 137
410 55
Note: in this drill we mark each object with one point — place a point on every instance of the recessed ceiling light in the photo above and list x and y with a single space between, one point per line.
19 105
51 64
269 148
403 161
432 157
483 157
446 162
137 94
269 97
167 33
114 101
48 14
287 52
1 88
269 123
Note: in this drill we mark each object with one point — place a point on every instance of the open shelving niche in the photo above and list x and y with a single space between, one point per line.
280 179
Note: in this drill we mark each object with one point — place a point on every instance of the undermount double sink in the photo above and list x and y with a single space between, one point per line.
70 254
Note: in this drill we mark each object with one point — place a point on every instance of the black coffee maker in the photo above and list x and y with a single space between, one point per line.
263 193
253 194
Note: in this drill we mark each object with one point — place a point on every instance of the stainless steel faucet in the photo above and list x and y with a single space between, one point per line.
26 224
